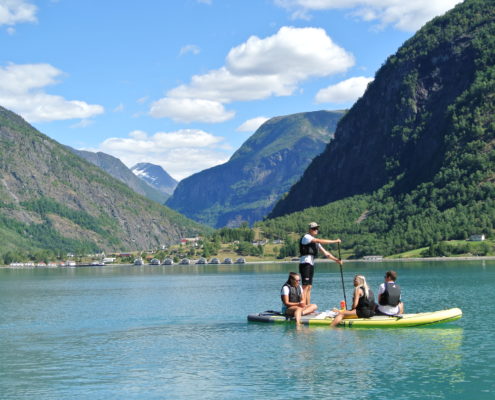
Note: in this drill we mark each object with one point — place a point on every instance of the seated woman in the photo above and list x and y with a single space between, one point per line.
294 303
363 302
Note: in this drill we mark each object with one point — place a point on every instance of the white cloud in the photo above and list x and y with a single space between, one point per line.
21 90
83 123
343 92
16 11
189 110
190 48
139 135
251 125
403 15
180 153
17 79
224 87
256 69
119 108
294 54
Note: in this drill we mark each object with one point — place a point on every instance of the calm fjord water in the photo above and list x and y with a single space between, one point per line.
125 332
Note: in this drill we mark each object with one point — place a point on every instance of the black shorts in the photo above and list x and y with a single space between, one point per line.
307 271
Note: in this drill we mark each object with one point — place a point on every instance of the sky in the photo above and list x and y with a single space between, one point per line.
184 83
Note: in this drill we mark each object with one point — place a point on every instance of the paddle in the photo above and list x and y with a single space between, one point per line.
342 275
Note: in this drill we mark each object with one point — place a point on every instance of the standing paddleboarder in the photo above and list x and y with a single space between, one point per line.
308 248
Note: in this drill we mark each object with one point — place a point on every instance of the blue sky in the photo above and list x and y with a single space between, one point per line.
183 83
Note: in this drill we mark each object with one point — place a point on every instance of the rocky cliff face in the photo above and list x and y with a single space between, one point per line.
118 170
406 127
245 188
51 198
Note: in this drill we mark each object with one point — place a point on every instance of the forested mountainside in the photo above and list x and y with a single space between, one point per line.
246 187
418 146
119 170
53 199
155 176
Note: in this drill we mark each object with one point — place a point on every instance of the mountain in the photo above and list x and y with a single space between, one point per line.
427 105
52 199
118 170
413 161
245 188
156 177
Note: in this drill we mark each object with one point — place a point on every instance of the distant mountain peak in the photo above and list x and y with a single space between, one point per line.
155 176
118 169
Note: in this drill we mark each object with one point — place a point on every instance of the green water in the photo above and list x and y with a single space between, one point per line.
128 332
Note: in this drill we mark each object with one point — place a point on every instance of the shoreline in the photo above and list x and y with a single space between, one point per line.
408 259
384 260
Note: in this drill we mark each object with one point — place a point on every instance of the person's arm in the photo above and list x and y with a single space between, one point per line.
381 289
287 303
329 255
357 294
326 241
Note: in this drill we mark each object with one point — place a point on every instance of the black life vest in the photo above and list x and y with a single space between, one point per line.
366 305
366 302
391 295
295 293
310 249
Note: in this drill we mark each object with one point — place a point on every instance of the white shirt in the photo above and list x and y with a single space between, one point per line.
389 310
307 239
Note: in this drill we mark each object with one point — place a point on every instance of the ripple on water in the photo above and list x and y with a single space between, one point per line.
158 334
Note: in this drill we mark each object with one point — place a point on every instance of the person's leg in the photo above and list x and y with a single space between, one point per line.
341 315
311 272
304 271
337 319
295 312
297 315
401 308
307 293
309 309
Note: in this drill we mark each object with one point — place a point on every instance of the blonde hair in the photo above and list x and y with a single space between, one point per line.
362 282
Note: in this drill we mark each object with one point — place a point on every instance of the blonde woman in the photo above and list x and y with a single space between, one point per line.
363 302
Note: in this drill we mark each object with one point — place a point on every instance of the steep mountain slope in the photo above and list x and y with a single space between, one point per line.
53 199
118 170
155 176
427 117
263 169
419 146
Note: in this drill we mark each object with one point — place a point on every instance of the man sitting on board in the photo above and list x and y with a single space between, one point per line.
389 299
294 302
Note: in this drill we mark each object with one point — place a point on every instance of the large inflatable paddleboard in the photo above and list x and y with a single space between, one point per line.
379 321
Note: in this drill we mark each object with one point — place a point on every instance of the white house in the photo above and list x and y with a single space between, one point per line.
476 238
373 258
